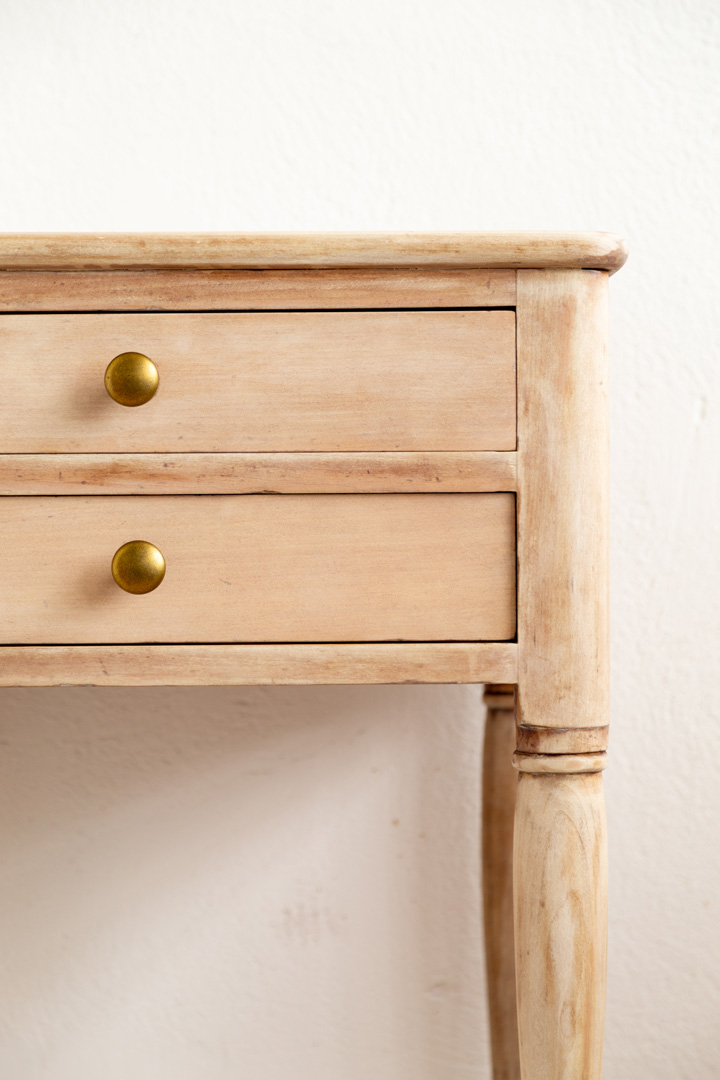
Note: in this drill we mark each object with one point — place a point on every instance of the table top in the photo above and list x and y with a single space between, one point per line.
352 250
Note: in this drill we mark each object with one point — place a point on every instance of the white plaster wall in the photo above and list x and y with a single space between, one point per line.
209 884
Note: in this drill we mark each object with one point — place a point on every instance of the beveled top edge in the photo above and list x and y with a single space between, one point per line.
276 251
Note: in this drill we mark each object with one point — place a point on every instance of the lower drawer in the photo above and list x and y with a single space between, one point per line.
261 568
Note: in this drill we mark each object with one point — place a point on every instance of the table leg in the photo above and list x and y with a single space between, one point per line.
560 873
499 784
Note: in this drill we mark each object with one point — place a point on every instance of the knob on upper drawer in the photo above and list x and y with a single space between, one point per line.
131 379
138 567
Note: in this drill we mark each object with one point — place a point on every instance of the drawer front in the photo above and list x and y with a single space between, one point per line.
261 568
280 381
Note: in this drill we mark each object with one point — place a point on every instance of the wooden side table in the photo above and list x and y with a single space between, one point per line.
233 459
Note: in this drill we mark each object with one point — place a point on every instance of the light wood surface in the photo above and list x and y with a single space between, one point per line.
492 250
499 786
560 869
563 636
263 568
545 740
255 665
289 381
559 763
238 290
247 474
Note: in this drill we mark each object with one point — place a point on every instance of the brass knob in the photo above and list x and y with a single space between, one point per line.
131 379
138 567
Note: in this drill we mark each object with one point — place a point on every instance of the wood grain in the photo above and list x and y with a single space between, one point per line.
560 868
302 381
545 740
247 474
491 250
262 568
499 786
254 665
252 290
563 502
542 764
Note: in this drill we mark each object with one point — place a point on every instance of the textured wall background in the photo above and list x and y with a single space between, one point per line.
276 883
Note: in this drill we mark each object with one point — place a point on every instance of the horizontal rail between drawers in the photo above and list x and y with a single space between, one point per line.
228 474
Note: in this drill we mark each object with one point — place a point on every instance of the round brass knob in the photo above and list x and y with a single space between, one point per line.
138 567
131 379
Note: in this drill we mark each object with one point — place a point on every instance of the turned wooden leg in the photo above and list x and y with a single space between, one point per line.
499 784
560 872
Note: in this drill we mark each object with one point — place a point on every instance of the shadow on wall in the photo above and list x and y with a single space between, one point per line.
196 876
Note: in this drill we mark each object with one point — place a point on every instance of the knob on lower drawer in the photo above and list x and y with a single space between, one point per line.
138 567
131 379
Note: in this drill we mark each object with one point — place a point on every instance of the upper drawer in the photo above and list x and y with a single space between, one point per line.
282 381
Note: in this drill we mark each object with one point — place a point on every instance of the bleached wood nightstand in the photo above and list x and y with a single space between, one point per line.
348 459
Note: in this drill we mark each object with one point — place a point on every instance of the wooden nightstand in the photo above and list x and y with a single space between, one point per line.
355 459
